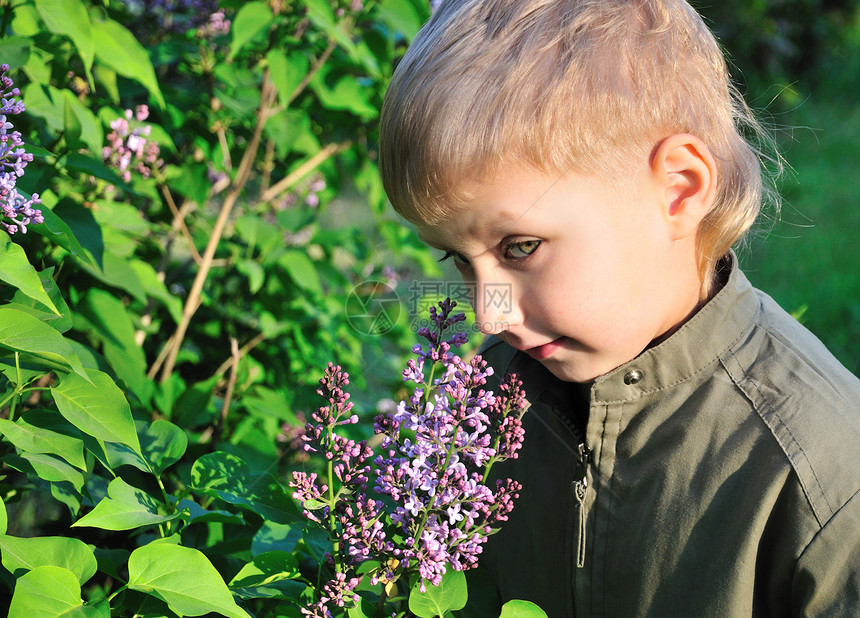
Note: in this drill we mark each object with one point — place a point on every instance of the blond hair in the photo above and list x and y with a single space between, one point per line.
564 85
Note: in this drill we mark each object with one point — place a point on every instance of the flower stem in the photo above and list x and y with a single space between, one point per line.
332 520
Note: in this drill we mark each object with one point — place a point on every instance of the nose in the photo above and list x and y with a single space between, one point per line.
495 305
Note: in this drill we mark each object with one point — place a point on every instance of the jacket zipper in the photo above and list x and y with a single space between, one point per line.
579 487
580 491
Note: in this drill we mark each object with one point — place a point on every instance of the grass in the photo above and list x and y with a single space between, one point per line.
810 257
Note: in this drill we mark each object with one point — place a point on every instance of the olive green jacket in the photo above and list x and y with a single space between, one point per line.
719 476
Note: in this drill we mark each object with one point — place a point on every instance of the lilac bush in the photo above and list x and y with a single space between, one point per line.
18 210
435 509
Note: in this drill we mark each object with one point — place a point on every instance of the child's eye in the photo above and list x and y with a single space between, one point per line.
458 257
521 249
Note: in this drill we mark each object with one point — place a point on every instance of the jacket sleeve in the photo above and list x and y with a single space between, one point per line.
827 579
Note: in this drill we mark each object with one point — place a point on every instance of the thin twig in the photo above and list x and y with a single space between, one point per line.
162 355
179 221
303 170
153 371
253 343
313 71
242 174
268 165
235 357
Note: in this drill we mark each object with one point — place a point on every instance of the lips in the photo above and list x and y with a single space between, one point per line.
546 350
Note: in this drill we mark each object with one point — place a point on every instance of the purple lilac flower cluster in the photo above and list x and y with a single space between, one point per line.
437 451
309 194
129 149
217 25
18 210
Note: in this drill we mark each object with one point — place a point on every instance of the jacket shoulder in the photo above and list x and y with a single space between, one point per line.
809 401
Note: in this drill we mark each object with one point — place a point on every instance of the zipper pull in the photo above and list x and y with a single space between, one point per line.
580 490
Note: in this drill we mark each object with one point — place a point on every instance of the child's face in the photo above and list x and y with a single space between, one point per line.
593 273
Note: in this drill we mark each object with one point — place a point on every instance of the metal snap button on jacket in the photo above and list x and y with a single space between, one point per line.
632 376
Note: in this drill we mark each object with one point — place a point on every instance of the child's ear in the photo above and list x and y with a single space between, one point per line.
686 172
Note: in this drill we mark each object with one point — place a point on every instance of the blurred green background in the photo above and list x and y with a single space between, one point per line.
799 64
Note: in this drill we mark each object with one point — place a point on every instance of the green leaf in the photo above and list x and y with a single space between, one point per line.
155 288
318 542
80 162
28 371
301 270
253 272
59 551
64 493
521 609
450 595
48 468
114 327
183 578
38 151
71 124
124 508
117 48
25 21
85 123
272 536
119 274
347 93
194 513
227 477
4 517
45 592
251 19
268 575
45 102
97 408
70 17
287 72
61 322
15 52
21 332
99 609
112 561
35 433
259 234
163 444
57 231
16 270
321 14
402 16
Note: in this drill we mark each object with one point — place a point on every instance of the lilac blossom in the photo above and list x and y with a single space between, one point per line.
436 450
18 211
308 193
218 24
128 147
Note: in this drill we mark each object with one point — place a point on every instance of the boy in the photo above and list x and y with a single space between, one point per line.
690 449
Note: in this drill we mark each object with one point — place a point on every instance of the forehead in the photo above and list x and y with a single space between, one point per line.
512 202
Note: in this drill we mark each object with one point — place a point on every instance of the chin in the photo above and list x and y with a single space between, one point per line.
572 371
